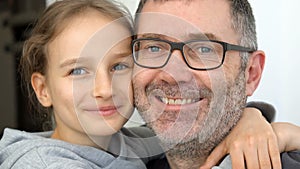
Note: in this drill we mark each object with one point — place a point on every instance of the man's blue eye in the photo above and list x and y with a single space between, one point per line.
154 49
119 66
78 71
205 50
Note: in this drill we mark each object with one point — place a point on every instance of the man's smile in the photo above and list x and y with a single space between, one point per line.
178 101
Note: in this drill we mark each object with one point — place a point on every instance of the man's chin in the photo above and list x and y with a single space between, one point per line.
171 135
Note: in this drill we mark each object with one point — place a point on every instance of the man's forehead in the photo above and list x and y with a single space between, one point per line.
181 20
157 25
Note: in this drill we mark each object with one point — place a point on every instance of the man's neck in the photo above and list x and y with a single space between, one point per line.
177 162
187 155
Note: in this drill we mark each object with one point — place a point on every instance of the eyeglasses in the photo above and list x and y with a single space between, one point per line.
198 54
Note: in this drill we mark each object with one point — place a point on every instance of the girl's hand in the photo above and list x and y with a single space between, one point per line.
251 144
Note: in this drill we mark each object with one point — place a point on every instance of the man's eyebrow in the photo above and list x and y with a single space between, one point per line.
151 35
204 36
199 36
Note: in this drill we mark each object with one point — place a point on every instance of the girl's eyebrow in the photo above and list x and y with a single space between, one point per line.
77 60
71 61
121 54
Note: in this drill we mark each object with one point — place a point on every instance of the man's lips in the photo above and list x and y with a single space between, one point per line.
166 111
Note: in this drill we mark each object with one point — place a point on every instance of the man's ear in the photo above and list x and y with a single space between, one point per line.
254 71
39 85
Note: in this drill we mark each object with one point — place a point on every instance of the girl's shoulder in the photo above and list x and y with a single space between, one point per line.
33 150
38 150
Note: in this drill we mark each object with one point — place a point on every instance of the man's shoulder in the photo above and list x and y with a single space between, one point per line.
159 163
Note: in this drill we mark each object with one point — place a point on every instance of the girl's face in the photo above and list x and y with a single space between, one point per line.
88 81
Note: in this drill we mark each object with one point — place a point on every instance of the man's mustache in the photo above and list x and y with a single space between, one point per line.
180 90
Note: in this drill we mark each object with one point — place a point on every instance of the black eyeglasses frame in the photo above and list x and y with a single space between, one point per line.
179 46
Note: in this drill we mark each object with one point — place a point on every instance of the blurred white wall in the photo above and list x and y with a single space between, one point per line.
278 28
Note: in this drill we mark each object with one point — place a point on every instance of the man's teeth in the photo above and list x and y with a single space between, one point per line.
177 101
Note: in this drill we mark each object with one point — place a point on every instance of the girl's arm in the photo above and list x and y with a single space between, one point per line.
251 144
288 136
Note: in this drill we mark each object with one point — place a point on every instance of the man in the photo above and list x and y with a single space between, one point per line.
197 64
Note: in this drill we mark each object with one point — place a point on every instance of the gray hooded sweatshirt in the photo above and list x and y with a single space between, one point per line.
25 150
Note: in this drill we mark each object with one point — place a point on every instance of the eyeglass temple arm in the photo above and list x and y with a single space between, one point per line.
238 48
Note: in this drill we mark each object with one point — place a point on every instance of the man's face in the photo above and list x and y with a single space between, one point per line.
180 104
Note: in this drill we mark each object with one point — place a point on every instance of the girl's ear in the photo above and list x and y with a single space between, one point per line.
39 85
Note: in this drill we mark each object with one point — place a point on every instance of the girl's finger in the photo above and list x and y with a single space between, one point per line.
215 156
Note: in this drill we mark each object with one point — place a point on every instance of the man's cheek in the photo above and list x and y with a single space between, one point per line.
144 74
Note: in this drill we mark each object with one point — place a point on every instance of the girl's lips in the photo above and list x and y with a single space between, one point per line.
105 111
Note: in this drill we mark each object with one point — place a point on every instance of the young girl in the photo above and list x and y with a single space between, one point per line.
77 67
76 51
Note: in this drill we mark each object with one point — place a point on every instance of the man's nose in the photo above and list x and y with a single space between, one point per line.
176 69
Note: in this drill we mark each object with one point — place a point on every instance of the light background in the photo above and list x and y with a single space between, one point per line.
278 29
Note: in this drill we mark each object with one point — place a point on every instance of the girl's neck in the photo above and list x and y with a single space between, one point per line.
100 142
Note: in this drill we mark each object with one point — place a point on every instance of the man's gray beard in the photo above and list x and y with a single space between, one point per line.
225 111
216 130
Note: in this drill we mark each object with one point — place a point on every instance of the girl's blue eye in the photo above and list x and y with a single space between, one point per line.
119 66
78 71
